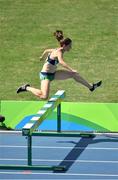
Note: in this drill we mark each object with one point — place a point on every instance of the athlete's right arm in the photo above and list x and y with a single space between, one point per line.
45 53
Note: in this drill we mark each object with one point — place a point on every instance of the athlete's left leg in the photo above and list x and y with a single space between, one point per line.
63 74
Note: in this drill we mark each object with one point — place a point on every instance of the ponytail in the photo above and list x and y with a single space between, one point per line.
60 38
59 35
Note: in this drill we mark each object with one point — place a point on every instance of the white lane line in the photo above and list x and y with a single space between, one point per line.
59 160
10 132
61 174
94 133
55 147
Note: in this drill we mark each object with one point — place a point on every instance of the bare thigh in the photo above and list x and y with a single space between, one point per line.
45 87
63 75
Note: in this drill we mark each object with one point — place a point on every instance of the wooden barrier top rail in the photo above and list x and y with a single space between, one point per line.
42 114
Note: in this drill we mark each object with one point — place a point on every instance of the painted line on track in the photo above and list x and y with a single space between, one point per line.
59 160
55 147
62 174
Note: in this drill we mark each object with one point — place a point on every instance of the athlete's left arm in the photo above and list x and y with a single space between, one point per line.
45 53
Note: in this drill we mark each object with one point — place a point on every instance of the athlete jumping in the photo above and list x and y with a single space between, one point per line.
49 71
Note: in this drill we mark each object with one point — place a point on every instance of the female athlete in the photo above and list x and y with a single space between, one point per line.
49 71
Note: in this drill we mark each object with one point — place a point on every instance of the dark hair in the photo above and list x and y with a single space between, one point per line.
60 37
65 42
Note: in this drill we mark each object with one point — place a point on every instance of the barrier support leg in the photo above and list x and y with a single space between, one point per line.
29 146
29 159
25 167
59 118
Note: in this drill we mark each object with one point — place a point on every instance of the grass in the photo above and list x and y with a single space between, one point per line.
26 29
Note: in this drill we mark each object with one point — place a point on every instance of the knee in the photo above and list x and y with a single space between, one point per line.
44 97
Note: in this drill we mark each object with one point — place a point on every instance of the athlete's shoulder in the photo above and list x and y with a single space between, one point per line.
59 50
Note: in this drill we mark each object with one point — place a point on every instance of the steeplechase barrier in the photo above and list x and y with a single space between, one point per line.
30 129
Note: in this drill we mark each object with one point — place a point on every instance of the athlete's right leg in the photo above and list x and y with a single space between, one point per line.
45 88
42 93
